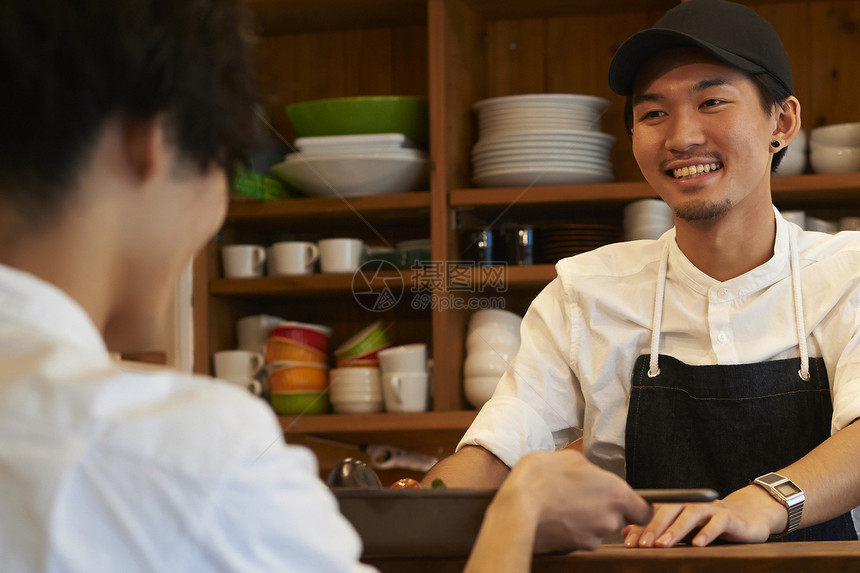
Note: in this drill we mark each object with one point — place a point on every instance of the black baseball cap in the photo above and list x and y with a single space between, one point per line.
729 31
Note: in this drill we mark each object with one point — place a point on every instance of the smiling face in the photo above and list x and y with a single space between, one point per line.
701 137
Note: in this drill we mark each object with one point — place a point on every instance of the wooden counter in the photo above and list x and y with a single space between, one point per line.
819 557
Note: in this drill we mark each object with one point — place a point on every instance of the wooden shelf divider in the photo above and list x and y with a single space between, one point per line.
351 423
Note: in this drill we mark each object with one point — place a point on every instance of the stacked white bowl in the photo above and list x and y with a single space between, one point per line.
492 340
354 165
355 390
647 219
835 148
541 139
794 161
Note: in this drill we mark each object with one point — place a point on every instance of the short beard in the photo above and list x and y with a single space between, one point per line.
703 211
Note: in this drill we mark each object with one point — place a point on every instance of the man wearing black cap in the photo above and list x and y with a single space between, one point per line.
722 355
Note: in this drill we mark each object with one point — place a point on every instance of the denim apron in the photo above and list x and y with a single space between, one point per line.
721 426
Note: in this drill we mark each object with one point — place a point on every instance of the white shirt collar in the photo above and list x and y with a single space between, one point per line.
760 277
28 300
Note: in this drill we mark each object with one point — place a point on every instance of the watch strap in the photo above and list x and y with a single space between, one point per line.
793 505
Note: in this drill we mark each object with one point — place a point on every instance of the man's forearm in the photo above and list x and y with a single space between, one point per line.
472 467
829 476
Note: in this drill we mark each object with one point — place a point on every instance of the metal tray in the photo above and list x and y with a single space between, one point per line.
415 522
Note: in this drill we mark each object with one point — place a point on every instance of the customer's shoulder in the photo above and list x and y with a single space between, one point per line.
167 416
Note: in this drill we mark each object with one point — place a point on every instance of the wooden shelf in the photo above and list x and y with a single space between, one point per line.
510 276
352 423
821 189
275 17
414 204
318 284
603 193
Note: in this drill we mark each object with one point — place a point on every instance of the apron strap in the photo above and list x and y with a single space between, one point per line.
794 259
653 366
794 263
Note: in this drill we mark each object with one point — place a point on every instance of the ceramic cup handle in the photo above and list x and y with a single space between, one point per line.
257 363
255 387
259 256
313 253
394 383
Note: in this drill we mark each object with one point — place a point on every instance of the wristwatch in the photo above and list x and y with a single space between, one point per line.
788 494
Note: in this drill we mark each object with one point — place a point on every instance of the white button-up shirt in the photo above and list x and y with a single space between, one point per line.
103 469
583 333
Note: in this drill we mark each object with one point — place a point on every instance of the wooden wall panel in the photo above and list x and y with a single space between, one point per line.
793 24
835 47
301 67
572 55
517 57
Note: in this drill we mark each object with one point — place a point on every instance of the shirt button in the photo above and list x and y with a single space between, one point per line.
721 337
723 292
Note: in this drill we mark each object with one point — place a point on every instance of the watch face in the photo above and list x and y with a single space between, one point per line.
787 489
770 479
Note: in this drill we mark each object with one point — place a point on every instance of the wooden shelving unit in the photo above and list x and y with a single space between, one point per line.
457 52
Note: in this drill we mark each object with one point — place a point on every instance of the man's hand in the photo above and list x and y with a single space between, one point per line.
748 515
577 503
552 501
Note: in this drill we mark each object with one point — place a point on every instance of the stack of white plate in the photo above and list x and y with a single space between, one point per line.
354 165
541 139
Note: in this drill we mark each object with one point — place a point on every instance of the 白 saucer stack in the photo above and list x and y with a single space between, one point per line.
541 139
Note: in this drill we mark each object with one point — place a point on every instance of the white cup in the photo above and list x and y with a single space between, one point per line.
406 358
340 255
243 261
240 367
796 217
405 391
252 332
293 258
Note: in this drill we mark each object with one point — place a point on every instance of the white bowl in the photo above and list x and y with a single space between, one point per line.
351 143
479 389
837 135
647 207
794 161
829 159
498 317
488 337
352 175
646 232
488 363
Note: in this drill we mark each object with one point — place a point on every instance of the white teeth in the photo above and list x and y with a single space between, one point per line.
693 170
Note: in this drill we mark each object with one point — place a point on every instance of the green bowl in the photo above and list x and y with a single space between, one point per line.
295 403
372 337
408 115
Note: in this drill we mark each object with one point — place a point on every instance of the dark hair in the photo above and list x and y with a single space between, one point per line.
771 94
68 65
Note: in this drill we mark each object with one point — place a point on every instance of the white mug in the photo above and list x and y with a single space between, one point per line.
292 258
405 358
240 367
243 261
405 391
252 332
341 255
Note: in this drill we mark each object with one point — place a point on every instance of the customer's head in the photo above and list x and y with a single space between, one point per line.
70 65
729 32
